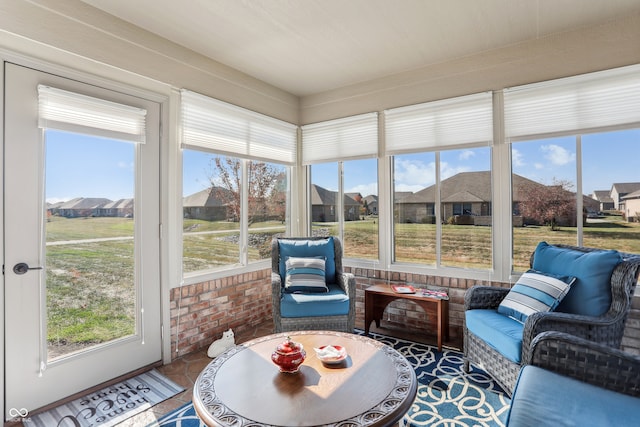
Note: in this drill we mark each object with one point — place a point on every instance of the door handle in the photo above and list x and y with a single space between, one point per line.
23 267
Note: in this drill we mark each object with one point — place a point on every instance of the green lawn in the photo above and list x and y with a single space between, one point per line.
90 293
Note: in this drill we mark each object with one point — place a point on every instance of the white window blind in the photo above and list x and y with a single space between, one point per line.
73 112
449 122
341 139
224 128
587 103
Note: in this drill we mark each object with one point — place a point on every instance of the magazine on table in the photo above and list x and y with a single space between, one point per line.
439 293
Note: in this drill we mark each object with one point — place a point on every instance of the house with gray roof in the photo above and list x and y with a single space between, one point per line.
82 207
604 199
630 206
120 208
621 189
206 204
323 205
465 198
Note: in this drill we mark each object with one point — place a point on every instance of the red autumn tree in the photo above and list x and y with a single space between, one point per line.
267 198
550 205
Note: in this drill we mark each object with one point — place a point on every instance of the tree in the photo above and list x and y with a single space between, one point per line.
549 205
267 198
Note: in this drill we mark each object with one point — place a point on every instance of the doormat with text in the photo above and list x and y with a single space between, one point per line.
110 405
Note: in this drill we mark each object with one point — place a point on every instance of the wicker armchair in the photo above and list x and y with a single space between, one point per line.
608 391
344 283
607 329
584 360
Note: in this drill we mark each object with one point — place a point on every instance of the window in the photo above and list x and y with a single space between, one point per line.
543 186
442 182
611 184
236 183
359 213
573 141
465 197
343 193
414 201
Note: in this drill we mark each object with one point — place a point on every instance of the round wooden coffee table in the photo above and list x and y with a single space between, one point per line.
374 386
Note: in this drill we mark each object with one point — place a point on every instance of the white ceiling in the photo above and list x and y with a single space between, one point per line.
311 46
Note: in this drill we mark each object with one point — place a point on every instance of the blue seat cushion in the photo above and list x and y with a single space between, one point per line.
333 303
501 332
590 294
544 398
308 248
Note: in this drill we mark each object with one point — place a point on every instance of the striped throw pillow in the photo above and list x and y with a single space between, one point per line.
535 292
305 275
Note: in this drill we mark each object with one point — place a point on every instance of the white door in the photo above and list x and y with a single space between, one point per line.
81 226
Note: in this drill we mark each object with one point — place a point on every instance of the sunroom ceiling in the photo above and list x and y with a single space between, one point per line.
311 46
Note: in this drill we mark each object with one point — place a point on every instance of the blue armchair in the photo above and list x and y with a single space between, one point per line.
571 381
595 308
310 290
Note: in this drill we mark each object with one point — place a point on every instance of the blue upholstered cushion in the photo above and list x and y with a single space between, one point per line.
309 248
305 275
535 292
544 398
591 293
333 303
501 332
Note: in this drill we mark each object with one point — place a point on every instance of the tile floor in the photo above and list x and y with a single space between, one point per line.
185 370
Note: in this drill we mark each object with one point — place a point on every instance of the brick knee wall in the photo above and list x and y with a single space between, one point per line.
201 312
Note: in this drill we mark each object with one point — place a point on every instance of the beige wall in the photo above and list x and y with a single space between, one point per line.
75 27
614 44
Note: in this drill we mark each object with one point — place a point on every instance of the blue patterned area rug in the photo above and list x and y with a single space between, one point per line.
447 397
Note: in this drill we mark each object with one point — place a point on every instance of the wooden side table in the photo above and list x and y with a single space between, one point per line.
377 297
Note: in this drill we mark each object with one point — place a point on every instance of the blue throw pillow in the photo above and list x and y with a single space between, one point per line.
535 292
305 275
590 295
308 248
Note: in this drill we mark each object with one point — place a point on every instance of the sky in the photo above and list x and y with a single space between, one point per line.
81 166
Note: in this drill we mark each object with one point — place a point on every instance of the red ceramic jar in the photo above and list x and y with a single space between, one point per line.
288 355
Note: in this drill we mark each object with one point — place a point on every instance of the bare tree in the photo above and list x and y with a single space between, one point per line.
549 205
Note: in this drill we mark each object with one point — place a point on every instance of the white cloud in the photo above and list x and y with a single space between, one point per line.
447 171
407 187
517 159
466 155
414 173
364 189
558 155
538 165
125 165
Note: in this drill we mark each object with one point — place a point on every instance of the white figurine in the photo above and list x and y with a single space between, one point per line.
219 346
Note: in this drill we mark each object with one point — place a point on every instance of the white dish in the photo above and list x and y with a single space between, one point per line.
331 354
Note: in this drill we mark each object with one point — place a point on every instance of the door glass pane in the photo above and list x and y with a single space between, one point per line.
414 221
211 211
90 283
268 206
